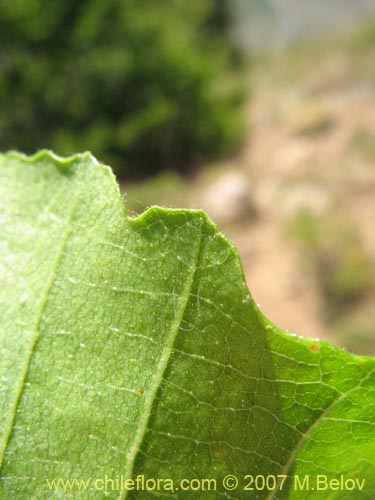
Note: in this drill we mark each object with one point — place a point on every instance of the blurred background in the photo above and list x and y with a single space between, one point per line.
261 112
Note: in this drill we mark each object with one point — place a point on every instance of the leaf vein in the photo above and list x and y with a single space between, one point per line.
163 363
311 429
36 330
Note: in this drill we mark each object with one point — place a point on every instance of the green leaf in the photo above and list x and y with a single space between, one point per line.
132 347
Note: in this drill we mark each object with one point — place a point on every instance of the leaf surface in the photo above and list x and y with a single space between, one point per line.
131 346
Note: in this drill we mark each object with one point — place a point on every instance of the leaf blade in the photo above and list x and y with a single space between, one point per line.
152 355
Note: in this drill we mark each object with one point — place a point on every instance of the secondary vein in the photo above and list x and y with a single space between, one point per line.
36 329
310 431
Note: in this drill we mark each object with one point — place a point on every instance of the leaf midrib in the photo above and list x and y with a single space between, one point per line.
36 328
163 363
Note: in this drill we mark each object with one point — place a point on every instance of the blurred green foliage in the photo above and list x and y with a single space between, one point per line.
144 85
166 189
334 253
363 143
